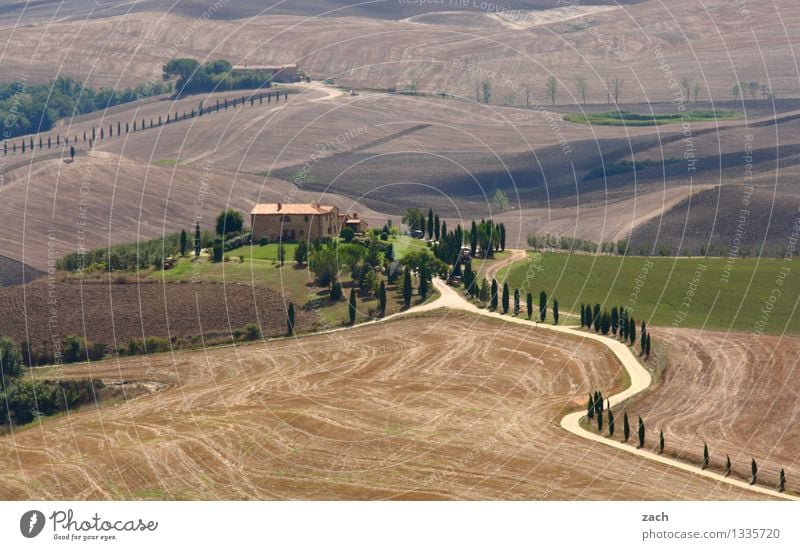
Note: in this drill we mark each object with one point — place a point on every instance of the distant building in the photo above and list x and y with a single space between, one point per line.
353 221
285 74
293 222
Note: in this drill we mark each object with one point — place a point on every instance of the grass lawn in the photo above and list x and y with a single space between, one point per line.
623 118
746 295
404 244
266 252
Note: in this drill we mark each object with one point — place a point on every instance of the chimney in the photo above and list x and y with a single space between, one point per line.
279 207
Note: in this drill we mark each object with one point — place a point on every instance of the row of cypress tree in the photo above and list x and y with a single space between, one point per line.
618 322
596 407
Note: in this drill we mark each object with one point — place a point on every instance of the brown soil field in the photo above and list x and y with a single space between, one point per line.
13 272
364 414
43 10
712 219
735 392
715 46
126 201
378 154
113 314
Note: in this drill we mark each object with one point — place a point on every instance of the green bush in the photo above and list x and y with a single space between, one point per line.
25 400
347 234
336 291
11 363
252 331
30 108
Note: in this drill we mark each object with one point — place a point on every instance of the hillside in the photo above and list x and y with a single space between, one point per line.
383 9
378 53
320 418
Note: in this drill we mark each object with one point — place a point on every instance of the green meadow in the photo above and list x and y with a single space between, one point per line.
624 118
744 294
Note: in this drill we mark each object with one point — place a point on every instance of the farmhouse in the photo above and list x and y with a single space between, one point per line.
353 221
290 222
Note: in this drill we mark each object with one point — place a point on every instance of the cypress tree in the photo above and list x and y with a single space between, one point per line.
643 342
197 240
516 301
641 433
542 306
610 422
632 330
596 318
647 347
473 238
437 226
754 470
605 322
351 309
430 223
782 481
493 298
614 320
423 282
727 465
704 465
598 402
407 288
600 422
184 242
290 320
505 298
661 442
529 304
626 427
502 236
382 298
555 311
590 407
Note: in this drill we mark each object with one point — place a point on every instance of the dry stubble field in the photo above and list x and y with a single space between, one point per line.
735 392
440 406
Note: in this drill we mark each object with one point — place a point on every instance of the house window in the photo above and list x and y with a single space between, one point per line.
306 219
301 232
286 219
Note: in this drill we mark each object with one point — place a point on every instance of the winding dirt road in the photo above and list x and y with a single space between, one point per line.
639 376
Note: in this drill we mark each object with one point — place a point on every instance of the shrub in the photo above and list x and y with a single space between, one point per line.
384 236
217 252
263 241
347 234
72 349
252 331
96 351
336 291
11 363
153 344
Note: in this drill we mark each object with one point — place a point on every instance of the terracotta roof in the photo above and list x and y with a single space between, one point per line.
289 209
